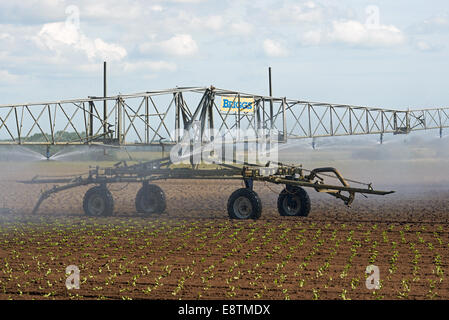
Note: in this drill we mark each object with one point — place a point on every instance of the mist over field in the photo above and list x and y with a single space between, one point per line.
406 161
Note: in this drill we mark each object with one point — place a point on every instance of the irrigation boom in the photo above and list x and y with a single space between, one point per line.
159 117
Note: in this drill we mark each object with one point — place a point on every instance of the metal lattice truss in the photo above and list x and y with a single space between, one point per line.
325 120
159 117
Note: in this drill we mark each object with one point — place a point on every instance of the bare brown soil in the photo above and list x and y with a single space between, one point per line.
193 251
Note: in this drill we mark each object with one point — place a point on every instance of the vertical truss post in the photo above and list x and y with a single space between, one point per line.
407 120
258 124
18 126
266 135
147 121
424 118
271 100
105 104
263 115
51 125
177 116
91 120
238 117
284 120
382 122
367 120
203 117
119 120
192 141
234 151
124 131
350 120
198 109
331 121
223 151
210 108
395 121
258 130
310 120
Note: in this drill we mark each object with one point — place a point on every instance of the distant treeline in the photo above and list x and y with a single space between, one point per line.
59 136
9 153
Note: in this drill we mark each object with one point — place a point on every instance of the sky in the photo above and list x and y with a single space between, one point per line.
391 54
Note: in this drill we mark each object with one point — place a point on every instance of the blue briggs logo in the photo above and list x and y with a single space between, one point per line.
246 104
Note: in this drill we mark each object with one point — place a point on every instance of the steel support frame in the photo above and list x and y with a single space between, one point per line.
159 117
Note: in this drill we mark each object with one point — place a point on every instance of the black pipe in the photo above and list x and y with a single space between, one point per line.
271 94
105 106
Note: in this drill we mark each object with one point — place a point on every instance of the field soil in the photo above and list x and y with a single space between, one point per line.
194 251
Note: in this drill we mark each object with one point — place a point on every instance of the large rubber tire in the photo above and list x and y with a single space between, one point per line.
244 204
150 199
294 201
98 202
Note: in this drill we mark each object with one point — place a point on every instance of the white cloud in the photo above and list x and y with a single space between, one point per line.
351 32
187 1
108 51
312 37
442 20
178 45
157 8
355 33
64 37
435 24
273 48
425 46
308 12
225 23
214 22
242 28
110 10
149 66
7 77
6 36
132 67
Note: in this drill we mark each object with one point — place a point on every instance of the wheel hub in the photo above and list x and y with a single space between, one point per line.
96 205
242 207
292 205
148 203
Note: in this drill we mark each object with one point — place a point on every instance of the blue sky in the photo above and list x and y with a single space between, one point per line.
377 53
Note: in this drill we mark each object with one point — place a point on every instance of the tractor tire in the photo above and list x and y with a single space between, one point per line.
150 199
244 204
294 201
98 202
